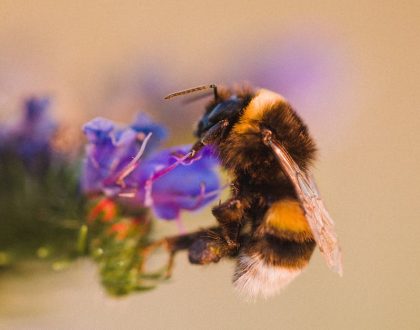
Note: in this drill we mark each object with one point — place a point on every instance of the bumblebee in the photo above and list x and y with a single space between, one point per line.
274 217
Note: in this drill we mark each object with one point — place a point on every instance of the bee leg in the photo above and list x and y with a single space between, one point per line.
204 246
204 251
230 216
210 246
172 245
214 133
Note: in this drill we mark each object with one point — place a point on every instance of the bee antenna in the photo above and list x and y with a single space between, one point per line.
195 89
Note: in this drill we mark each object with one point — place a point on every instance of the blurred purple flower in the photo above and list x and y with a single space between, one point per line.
111 167
36 129
30 138
303 63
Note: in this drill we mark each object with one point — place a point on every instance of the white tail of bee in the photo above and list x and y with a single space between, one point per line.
255 278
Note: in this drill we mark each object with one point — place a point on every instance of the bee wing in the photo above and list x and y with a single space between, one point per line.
319 219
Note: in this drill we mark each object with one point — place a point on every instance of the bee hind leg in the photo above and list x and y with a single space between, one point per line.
204 246
172 245
210 245
221 241
230 215
204 251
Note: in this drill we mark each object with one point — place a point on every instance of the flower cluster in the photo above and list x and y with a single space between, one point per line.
123 163
44 195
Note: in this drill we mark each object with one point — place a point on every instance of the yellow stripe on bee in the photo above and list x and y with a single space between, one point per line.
287 215
254 111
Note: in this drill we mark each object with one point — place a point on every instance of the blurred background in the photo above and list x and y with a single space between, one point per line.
350 69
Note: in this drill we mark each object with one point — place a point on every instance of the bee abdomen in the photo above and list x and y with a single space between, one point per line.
278 252
268 269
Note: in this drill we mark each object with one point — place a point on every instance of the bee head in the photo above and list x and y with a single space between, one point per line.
226 106
228 109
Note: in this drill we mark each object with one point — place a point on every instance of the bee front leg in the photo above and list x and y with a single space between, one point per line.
214 133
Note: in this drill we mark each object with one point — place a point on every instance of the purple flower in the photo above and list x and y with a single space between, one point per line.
30 138
186 187
109 150
119 162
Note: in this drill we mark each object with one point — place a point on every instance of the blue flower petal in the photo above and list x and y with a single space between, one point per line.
187 187
144 124
167 211
98 130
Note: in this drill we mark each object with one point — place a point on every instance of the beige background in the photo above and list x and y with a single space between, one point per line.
368 132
